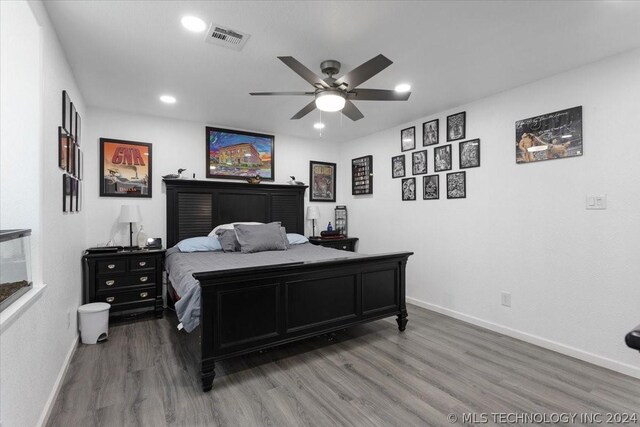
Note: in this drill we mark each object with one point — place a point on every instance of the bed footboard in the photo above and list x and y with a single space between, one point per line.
246 310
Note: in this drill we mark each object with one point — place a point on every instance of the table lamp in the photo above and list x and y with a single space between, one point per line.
129 214
313 213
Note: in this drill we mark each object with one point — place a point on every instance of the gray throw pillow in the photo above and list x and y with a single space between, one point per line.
259 238
228 240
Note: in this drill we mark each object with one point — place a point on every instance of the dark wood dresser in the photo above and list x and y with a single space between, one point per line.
131 281
346 244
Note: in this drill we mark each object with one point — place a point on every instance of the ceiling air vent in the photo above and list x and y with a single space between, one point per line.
227 37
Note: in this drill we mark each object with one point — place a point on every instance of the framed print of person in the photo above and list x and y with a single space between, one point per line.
398 166
456 185
442 158
322 179
431 187
408 138
430 132
125 168
409 189
419 162
469 154
456 126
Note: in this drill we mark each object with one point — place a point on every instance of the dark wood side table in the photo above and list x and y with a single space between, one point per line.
131 281
346 244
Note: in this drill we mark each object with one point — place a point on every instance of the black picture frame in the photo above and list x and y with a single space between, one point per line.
419 162
80 164
77 129
256 146
456 126
408 139
63 148
134 178
398 166
78 194
72 121
457 185
362 175
66 112
431 187
408 189
469 154
442 158
71 160
431 132
322 181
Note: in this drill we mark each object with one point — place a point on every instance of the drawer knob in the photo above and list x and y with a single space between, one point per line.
142 263
144 278
111 266
110 282
111 299
144 294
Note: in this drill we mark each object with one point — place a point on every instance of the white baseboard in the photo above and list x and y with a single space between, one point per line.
46 412
604 362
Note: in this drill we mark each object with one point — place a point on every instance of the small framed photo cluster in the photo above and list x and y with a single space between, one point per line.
468 157
362 175
70 156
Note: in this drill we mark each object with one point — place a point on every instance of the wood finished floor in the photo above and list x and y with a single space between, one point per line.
370 375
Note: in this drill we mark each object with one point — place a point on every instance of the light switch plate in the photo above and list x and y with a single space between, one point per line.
596 202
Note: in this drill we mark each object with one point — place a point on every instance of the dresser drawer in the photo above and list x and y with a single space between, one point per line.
111 266
142 263
113 282
116 298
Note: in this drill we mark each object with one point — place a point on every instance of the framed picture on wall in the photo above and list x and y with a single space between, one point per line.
322 179
430 132
66 112
66 192
409 189
419 162
431 187
71 162
362 175
77 129
469 154
72 121
408 138
125 168
63 148
442 158
456 185
234 154
398 166
456 126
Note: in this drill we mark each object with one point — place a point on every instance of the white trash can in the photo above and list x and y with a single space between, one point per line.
94 322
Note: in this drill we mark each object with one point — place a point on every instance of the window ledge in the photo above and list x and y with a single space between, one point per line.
11 313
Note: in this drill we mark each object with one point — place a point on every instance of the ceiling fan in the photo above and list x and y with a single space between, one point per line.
337 94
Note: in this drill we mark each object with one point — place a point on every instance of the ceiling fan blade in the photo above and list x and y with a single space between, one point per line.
351 111
281 93
377 95
306 110
365 71
303 71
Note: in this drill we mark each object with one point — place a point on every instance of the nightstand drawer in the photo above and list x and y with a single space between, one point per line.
111 266
111 282
142 263
116 298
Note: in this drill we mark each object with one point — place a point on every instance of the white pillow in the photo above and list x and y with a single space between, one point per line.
296 239
230 226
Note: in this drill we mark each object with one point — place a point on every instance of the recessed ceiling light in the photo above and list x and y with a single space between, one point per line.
168 99
318 125
194 24
403 87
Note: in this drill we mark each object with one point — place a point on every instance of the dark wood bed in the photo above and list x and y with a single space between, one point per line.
250 309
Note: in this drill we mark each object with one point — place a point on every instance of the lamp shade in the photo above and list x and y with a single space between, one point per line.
313 212
129 213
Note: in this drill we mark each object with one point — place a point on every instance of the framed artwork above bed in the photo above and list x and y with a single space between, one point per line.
235 154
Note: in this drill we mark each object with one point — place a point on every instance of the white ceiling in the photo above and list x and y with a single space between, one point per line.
124 54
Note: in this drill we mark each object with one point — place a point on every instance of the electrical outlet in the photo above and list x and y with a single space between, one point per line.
505 299
596 202
68 319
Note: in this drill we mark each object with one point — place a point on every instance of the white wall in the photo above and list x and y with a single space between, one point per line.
176 144
523 228
36 343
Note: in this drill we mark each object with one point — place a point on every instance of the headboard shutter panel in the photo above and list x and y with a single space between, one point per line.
195 211
285 208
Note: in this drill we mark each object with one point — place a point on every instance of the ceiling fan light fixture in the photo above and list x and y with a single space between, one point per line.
330 101
403 87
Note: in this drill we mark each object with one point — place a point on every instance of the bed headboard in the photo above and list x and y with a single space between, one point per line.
194 208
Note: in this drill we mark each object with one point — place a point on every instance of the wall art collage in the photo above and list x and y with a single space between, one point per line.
456 181
70 157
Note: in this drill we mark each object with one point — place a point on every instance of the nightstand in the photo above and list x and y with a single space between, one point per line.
346 244
131 281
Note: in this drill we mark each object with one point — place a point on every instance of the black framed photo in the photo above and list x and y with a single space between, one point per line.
431 187
442 158
125 168
362 175
322 179
79 164
398 166
409 189
550 136
408 138
77 129
78 195
71 161
456 126
234 154
419 162
66 112
72 121
430 132
66 192
456 185
469 154
63 148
